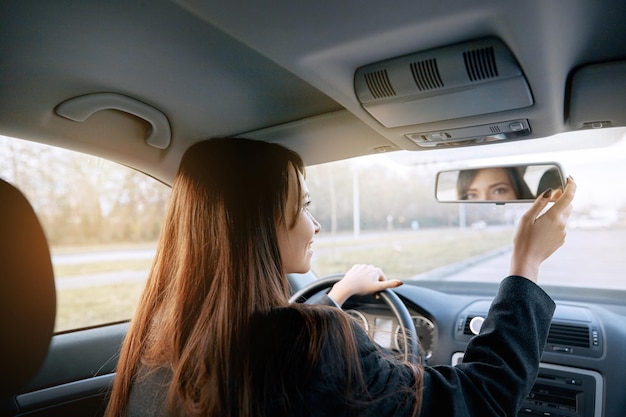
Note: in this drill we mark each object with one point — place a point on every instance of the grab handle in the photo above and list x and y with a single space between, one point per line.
80 108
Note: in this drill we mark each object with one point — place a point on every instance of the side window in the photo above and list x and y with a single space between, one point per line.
102 221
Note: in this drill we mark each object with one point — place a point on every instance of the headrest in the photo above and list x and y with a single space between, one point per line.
27 291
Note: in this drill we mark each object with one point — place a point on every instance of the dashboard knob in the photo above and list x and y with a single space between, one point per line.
475 324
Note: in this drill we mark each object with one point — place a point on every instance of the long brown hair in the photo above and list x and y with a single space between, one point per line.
217 265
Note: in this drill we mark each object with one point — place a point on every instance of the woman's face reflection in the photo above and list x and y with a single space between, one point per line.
491 184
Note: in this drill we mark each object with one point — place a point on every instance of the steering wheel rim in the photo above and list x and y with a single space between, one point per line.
395 304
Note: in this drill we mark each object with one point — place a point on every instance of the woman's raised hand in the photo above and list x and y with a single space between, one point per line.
540 234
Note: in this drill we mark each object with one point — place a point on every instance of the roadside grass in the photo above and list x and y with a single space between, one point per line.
401 255
406 256
90 306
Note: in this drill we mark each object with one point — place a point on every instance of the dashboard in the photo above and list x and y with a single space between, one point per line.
582 367
384 329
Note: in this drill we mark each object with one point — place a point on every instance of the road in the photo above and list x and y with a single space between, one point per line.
89 257
588 259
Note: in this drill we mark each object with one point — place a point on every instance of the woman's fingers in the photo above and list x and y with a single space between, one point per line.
392 283
361 279
540 203
564 201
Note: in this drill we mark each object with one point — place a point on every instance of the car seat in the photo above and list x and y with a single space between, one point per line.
27 295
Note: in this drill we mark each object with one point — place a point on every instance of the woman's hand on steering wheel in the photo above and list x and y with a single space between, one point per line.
361 279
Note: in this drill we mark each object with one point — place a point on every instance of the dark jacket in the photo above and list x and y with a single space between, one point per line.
501 363
498 371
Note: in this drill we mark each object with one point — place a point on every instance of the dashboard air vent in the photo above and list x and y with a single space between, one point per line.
480 64
569 335
466 327
426 75
379 84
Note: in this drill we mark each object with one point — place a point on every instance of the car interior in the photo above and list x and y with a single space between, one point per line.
436 88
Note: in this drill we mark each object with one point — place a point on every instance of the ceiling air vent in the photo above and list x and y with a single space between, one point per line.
569 335
480 64
379 84
469 79
426 75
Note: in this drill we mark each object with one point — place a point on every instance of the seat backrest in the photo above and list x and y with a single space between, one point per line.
27 292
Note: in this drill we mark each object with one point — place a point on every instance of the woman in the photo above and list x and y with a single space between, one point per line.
214 334
493 184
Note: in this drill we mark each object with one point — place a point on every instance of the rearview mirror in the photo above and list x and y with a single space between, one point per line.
498 184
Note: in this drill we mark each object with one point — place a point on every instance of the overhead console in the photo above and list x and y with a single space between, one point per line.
468 79
598 96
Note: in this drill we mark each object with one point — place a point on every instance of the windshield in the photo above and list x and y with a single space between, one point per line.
382 210
103 220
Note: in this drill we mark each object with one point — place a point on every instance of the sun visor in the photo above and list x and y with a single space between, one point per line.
598 96
468 79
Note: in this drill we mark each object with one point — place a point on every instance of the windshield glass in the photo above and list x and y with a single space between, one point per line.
102 220
382 210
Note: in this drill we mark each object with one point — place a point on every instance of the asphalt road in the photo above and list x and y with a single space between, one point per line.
589 258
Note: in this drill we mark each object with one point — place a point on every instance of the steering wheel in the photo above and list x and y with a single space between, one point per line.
407 326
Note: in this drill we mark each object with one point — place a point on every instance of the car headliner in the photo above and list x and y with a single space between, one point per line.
280 71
